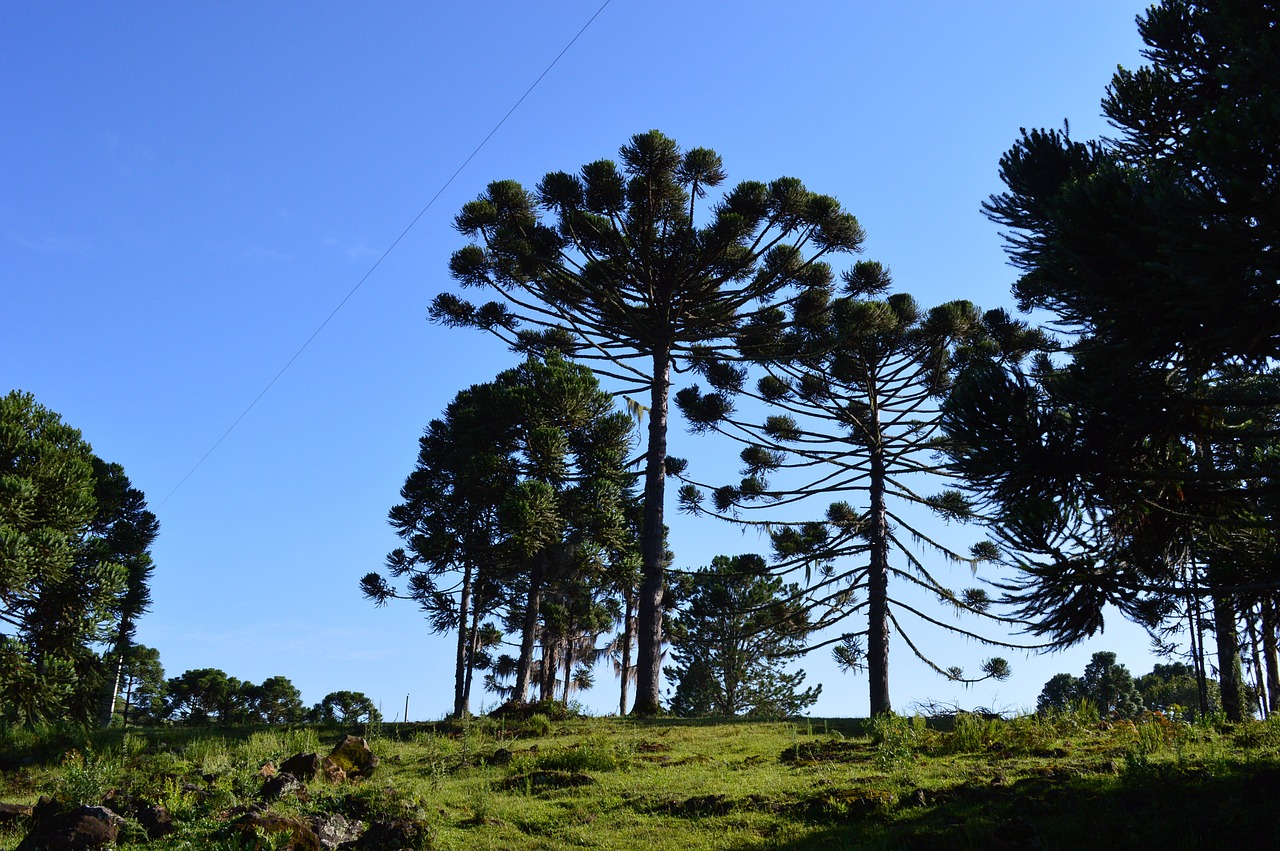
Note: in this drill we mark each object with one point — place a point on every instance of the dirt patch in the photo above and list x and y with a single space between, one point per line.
829 750
542 780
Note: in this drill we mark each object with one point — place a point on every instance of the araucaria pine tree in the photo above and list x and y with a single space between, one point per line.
627 268
736 629
846 402
520 494
1139 470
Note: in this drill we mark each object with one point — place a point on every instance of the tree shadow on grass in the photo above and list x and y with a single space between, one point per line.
1165 806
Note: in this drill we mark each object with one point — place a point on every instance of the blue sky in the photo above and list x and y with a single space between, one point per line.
188 191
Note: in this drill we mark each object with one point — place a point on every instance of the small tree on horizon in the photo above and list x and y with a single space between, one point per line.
736 628
1105 684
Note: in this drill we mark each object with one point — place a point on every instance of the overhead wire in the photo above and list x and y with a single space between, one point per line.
387 252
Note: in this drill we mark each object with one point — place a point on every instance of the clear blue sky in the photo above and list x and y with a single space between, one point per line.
188 190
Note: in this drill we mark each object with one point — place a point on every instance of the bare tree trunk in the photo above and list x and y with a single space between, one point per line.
628 635
1259 679
128 698
568 669
649 663
110 710
460 707
1201 658
1230 679
122 644
524 668
1270 654
472 647
550 667
878 592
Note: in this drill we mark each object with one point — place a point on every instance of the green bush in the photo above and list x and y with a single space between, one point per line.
597 753
538 725
86 778
972 734
899 739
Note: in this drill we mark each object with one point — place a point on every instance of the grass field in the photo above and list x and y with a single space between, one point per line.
543 782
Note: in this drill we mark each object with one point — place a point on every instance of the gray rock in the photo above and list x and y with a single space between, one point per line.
334 829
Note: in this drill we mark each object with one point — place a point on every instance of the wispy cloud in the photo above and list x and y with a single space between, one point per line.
256 254
353 250
46 243
356 252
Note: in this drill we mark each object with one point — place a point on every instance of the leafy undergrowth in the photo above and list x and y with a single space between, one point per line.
541 782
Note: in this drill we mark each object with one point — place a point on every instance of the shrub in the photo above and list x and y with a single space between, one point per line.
898 739
86 779
597 753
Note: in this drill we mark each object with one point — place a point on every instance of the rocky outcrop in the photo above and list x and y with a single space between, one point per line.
78 829
354 756
284 785
304 766
156 821
257 825
335 829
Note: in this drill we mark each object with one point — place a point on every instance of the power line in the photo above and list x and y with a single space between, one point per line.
384 254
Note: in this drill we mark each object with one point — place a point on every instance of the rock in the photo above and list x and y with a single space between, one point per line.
1019 833
395 834
253 808
304 766
201 794
502 756
10 813
156 821
333 830
354 757
332 771
118 801
301 836
284 784
549 780
80 829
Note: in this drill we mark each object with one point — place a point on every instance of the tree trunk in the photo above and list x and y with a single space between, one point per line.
122 644
652 537
1198 652
524 668
1270 654
472 646
1229 674
628 635
128 698
550 667
878 591
568 669
1259 679
460 663
109 711
732 665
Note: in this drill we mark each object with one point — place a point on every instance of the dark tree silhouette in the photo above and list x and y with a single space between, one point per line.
628 274
1155 253
847 403
522 488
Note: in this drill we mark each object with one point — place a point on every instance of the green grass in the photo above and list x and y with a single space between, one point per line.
970 783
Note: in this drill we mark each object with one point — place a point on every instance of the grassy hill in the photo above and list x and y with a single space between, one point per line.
546 783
